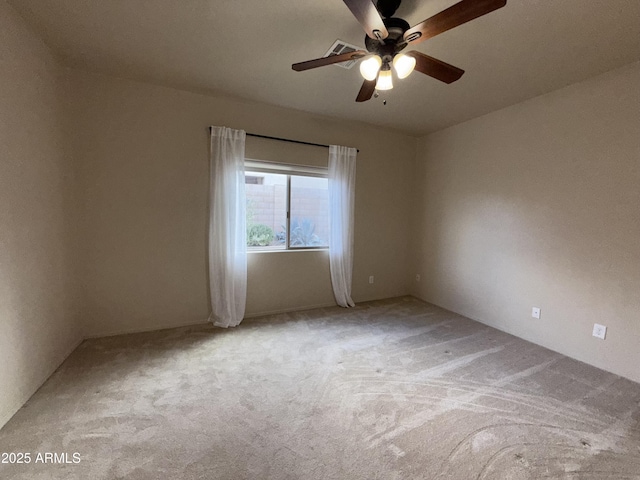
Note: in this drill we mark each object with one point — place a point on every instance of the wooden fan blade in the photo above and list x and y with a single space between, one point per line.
330 60
436 68
368 16
453 16
366 91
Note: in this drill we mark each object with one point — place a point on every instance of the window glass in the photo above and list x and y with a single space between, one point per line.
309 212
287 206
266 210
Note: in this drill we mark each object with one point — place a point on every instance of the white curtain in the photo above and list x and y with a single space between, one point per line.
227 227
342 182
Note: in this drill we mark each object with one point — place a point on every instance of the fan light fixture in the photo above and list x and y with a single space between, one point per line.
386 36
369 67
373 67
385 80
404 65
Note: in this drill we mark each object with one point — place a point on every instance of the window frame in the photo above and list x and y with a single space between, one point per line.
288 169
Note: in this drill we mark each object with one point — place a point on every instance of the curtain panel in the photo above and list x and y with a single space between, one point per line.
227 227
342 182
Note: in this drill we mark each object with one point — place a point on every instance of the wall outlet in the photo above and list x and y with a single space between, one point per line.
371 279
599 331
535 312
417 277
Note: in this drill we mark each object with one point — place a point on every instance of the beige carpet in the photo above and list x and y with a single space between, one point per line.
395 389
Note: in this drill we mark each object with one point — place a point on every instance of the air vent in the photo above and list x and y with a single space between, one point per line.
339 47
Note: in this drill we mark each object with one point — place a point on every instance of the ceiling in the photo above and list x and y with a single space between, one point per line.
245 48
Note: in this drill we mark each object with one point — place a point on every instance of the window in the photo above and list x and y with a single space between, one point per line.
287 206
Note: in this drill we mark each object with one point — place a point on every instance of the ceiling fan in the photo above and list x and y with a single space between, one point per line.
387 36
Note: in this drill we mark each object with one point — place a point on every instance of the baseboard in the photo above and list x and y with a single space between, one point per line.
127 331
155 328
289 310
323 305
13 409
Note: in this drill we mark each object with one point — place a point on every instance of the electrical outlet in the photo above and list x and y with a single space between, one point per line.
599 331
371 279
417 277
535 312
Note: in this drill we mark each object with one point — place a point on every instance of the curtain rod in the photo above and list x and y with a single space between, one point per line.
288 140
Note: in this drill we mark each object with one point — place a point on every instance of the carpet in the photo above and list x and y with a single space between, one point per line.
394 389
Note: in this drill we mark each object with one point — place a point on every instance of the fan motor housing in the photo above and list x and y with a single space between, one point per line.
391 45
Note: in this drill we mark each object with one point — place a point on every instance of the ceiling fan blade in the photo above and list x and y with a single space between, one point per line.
368 16
330 60
436 68
366 91
453 16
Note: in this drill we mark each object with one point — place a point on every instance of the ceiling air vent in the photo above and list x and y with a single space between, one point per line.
339 47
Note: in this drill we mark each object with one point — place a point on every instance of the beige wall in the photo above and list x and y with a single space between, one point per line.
301 278
142 163
37 317
539 205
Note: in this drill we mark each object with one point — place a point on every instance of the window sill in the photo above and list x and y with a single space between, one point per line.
297 250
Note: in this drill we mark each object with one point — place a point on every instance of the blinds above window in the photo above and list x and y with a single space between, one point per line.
285 168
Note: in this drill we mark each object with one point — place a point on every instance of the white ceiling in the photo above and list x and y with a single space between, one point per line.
245 48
